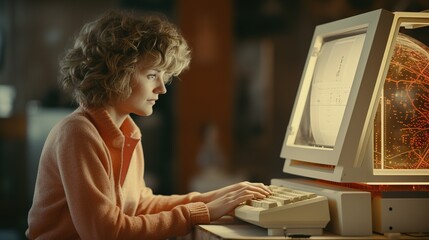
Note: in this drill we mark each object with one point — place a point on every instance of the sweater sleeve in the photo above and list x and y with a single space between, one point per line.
151 203
159 205
85 171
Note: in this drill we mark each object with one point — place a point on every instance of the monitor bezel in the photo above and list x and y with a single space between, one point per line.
353 135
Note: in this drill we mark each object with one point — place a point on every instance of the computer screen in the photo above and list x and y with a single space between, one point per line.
330 89
401 125
362 109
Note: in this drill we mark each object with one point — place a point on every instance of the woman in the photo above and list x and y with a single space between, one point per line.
90 180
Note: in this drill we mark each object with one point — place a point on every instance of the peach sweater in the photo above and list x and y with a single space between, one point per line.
85 189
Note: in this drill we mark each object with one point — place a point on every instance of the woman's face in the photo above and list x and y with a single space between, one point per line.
148 83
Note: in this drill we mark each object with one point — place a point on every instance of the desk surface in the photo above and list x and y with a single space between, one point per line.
232 230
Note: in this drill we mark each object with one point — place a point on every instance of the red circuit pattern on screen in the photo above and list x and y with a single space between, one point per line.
405 126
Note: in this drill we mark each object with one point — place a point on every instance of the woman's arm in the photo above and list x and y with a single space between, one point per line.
219 202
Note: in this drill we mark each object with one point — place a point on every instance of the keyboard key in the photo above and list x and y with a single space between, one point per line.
280 200
262 203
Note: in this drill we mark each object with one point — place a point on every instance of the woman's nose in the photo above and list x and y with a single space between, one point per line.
160 89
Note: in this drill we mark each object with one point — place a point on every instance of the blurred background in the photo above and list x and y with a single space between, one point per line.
223 122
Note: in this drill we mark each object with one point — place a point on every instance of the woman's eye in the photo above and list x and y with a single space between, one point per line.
151 76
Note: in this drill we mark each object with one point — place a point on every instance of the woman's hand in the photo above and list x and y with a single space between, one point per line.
222 201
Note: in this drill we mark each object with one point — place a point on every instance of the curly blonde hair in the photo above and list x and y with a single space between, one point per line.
99 69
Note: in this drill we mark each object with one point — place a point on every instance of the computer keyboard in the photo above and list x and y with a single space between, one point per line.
287 211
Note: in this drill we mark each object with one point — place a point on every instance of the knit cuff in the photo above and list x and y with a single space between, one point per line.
199 213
